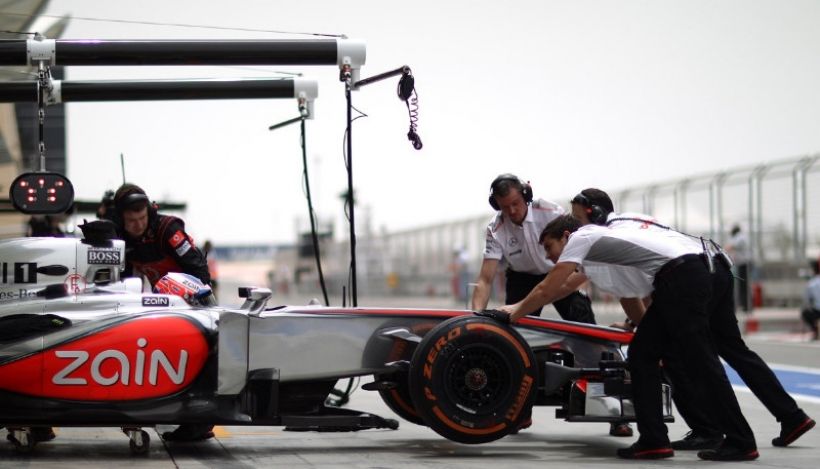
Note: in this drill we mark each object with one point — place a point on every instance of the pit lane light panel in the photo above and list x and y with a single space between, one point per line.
41 193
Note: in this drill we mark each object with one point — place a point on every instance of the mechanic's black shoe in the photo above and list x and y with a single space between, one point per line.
189 432
524 425
41 434
790 432
692 441
729 453
639 451
620 429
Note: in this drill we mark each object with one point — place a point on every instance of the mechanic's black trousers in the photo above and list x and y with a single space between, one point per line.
679 315
574 307
760 379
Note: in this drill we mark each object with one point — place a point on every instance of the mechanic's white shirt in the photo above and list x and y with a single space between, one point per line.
619 280
519 244
636 251
812 296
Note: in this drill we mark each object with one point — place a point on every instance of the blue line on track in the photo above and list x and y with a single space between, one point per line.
795 382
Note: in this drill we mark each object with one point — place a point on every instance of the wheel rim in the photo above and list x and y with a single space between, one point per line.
478 379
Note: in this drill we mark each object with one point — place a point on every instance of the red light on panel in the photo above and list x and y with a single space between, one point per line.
41 193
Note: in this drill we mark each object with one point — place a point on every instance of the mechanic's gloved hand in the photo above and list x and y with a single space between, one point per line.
499 316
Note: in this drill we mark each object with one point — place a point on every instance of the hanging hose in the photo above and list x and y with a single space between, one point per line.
314 236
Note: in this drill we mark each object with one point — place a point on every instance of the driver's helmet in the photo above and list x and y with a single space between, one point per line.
190 288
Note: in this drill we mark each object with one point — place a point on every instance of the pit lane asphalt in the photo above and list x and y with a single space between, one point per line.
549 443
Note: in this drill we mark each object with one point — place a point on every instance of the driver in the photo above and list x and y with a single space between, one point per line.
155 245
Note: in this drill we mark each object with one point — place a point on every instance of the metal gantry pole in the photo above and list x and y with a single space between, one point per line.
679 196
716 230
183 52
61 91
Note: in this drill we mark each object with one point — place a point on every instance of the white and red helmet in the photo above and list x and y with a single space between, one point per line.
190 288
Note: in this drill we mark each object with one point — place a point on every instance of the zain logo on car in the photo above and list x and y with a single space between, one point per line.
148 356
156 301
125 372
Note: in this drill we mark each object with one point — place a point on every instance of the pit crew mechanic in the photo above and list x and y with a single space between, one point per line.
595 206
155 245
678 312
513 235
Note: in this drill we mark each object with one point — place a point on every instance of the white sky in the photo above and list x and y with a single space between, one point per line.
567 94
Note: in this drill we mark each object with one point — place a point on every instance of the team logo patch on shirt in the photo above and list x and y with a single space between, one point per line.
177 239
513 241
185 247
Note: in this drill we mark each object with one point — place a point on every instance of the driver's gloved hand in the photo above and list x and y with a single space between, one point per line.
495 314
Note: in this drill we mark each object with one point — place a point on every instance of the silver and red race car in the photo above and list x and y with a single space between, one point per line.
80 346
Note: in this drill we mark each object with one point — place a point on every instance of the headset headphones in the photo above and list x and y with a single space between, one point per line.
595 213
524 188
132 196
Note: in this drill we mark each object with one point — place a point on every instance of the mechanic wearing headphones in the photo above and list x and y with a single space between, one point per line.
513 235
679 312
595 206
154 246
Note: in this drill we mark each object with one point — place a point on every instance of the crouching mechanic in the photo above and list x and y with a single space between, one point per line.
595 206
155 245
513 235
678 313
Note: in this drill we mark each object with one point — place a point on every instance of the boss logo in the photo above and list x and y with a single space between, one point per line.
155 301
100 256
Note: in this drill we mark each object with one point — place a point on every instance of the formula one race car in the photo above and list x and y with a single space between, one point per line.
81 346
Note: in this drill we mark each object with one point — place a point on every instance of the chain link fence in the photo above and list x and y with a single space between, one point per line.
776 204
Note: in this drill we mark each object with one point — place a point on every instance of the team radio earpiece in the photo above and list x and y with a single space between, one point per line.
525 188
595 213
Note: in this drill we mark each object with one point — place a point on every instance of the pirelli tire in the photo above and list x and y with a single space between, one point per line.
399 401
397 398
473 379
